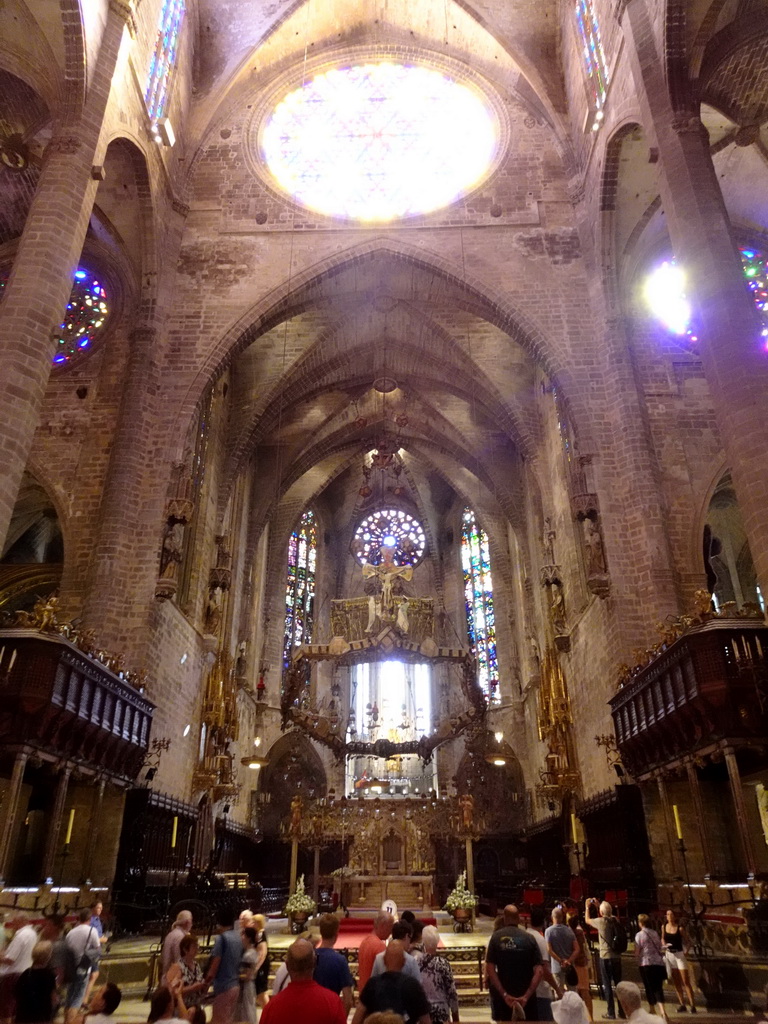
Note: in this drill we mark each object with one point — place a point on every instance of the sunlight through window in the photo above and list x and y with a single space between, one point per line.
380 141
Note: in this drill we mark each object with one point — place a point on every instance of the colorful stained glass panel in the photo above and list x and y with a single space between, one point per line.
395 528
85 316
593 54
163 59
300 584
478 594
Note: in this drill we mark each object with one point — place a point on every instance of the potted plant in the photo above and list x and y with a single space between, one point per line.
461 902
300 904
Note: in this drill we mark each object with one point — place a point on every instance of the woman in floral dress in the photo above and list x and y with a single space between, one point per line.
437 980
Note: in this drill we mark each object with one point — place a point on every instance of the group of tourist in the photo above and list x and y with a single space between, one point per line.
237 972
43 970
540 973
528 969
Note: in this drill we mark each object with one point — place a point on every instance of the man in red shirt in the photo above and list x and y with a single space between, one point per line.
372 945
303 999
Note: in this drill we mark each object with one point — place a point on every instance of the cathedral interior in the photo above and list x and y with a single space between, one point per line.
384 433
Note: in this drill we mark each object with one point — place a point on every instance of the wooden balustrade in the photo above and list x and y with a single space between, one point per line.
708 686
67 705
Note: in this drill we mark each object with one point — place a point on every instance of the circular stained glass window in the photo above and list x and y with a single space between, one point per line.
393 528
86 313
379 141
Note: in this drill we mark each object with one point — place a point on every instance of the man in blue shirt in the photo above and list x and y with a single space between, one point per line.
331 967
224 970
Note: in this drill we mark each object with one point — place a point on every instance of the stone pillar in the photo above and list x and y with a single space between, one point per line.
52 839
698 806
734 357
94 828
11 811
113 561
294 865
674 854
742 821
43 268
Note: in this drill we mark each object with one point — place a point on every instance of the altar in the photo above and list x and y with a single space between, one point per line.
409 892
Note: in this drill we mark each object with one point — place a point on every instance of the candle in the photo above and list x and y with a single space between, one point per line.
678 827
13 658
69 825
175 830
574 833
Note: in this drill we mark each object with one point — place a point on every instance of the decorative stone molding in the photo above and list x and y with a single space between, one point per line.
584 506
181 208
550 575
179 510
220 578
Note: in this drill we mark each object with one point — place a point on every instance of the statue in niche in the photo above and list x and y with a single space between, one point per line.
297 806
549 542
171 553
557 608
387 579
213 612
467 805
593 544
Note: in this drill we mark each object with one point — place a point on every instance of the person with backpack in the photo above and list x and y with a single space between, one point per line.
612 943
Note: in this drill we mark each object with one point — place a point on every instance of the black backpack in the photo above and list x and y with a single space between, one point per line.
615 936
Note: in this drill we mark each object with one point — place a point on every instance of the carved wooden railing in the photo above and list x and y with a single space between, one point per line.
55 698
709 685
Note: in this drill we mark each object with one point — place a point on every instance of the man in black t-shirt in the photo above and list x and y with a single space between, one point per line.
393 991
513 962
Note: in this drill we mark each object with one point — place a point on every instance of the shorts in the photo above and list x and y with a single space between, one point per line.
76 991
654 976
676 960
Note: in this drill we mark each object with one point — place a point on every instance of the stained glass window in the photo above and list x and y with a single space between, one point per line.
84 317
163 59
379 141
593 54
755 265
394 528
300 584
478 595
665 292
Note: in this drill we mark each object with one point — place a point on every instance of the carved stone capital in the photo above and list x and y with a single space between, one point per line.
123 9
576 192
584 506
549 575
179 510
165 589
181 208
689 124
600 585
563 642
67 144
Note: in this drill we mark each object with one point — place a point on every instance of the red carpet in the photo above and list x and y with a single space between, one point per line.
363 925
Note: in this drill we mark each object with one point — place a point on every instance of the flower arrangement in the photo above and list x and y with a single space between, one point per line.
300 902
460 898
343 872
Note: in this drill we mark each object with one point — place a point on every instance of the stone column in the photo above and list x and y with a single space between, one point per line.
742 821
11 811
43 268
734 357
94 829
698 806
674 854
113 576
52 839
